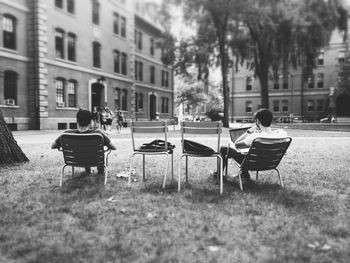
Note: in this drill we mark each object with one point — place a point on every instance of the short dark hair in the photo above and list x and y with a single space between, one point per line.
264 116
84 118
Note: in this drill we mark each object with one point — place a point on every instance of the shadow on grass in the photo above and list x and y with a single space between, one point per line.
87 186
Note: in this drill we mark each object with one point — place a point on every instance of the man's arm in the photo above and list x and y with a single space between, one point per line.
56 144
111 146
240 143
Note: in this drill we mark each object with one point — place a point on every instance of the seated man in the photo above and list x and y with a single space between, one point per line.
84 118
261 129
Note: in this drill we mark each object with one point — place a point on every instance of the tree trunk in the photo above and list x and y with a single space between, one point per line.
224 66
10 152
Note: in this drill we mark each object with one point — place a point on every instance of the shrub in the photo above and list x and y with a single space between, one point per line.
215 114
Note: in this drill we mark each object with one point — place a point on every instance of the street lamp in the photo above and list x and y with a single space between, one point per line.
291 94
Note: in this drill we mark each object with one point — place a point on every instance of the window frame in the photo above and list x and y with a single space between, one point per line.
59 43
72 47
96 54
95 12
11 85
60 96
74 93
9 29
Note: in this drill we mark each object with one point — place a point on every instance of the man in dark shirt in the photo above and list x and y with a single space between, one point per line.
84 118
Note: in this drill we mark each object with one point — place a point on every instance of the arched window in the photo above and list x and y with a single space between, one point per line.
59 43
10 87
9 31
60 91
124 99
72 91
320 77
72 47
96 53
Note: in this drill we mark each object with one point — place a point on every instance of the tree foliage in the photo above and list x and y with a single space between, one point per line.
269 36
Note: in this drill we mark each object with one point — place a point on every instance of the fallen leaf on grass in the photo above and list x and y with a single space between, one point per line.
112 199
151 215
317 245
213 248
326 247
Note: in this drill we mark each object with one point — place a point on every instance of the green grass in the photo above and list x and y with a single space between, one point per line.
307 221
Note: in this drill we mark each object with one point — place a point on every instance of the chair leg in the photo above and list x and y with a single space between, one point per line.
143 167
72 170
221 174
172 167
240 179
131 163
166 170
179 176
106 174
279 176
257 175
186 169
62 172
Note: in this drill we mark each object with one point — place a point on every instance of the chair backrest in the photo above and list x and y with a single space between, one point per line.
265 153
235 133
149 127
83 150
191 127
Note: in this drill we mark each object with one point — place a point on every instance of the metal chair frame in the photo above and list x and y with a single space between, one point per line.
264 154
84 150
201 128
150 127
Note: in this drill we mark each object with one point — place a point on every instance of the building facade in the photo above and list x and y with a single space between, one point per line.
58 56
292 96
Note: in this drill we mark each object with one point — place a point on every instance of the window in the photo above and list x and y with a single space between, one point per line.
96 54
310 105
276 85
138 70
9 31
320 58
116 23
71 90
310 82
285 106
285 83
95 12
248 106
138 102
116 61
124 63
71 47
341 56
138 39
117 98
70 6
123 26
249 83
152 74
320 77
124 99
320 105
276 106
151 46
59 43
59 84
10 87
59 3
165 105
165 78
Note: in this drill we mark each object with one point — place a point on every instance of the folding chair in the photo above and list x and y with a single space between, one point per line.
151 127
84 150
264 154
188 127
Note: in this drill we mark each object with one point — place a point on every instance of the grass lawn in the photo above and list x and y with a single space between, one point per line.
307 221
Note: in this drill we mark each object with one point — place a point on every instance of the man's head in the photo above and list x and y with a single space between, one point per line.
264 116
84 118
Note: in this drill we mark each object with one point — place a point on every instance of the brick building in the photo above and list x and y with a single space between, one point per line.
57 56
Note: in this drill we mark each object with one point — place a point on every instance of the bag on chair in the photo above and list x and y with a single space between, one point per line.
197 148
